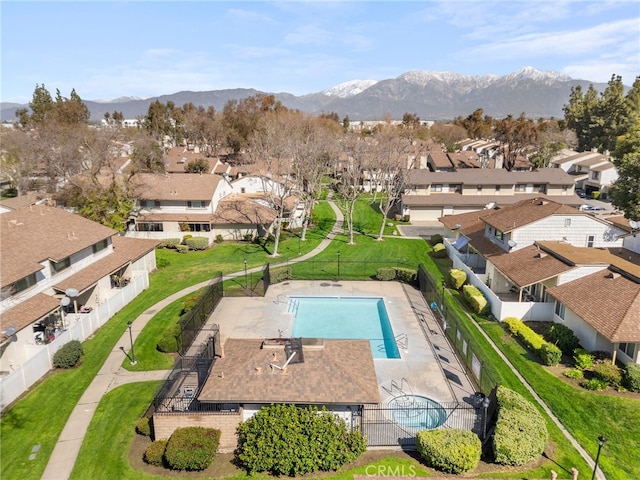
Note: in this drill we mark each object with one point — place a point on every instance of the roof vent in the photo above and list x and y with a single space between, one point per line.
612 275
540 255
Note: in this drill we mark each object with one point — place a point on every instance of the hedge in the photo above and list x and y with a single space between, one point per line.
632 377
564 338
182 248
143 426
475 298
288 440
439 251
192 448
68 355
169 243
435 239
197 243
168 343
451 451
405 275
608 372
520 434
385 274
154 454
457 278
548 352
281 274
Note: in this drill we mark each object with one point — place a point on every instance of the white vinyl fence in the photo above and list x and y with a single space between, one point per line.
80 327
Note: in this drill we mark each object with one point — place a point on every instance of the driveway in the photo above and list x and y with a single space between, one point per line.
421 231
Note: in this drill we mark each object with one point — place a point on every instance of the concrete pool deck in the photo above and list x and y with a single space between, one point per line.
428 365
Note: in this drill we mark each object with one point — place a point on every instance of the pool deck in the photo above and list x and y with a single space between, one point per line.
428 365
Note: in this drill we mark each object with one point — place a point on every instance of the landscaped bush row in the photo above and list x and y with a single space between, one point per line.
188 448
169 243
143 426
632 377
277 275
548 352
451 451
68 355
476 299
288 440
197 243
405 275
439 251
457 278
521 433
563 337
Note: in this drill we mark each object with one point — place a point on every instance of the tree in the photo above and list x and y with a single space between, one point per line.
147 155
625 191
476 124
515 135
241 118
199 165
449 134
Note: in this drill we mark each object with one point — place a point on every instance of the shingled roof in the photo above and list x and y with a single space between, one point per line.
529 265
525 212
339 372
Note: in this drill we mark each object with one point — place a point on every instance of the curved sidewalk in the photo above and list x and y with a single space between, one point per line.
112 375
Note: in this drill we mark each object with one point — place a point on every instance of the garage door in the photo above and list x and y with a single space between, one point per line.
425 214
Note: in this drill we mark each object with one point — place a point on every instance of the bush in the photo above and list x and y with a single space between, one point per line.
583 359
186 237
548 352
406 275
439 251
632 377
168 343
574 373
191 301
219 239
143 426
280 274
475 298
197 243
289 440
521 432
169 243
595 194
68 355
608 373
192 448
563 337
386 274
182 248
435 239
457 278
593 384
451 451
154 454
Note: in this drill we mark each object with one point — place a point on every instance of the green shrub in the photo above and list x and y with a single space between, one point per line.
280 274
197 243
192 448
406 275
68 355
595 194
219 239
191 301
186 237
143 426
521 432
386 274
632 377
608 373
563 337
169 243
450 451
593 384
434 239
154 454
168 343
289 440
574 373
476 299
439 251
182 248
583 359
457 278
548 352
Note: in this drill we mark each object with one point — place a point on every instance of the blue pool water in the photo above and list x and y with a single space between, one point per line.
345 318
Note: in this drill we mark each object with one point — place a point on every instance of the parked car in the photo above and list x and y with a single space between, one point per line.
591 208
581 193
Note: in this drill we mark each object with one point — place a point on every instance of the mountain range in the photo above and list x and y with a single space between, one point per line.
429 95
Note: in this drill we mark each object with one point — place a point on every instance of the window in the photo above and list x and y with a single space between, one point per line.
497 189
567 222
199 227
24 283
149 227
629 349
591 239
100 246
595 175
63 264
540 188
195 204
560 310
437 187
243 190
521 187
565 189
457 188
479 189
499 234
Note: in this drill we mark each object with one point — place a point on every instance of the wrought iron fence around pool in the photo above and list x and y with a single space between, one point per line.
385 426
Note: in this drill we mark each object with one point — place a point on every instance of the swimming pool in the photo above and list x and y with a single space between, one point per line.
345 318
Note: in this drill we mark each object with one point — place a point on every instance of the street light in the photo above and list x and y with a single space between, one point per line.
485 405
601 442
133 355
245 273
338 264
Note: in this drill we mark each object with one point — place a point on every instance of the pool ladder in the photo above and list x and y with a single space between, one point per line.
293 306
402 342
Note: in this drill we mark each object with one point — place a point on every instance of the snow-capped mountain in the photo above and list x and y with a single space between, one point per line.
349 89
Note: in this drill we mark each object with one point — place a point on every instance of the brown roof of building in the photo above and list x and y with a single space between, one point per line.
590 162
340 372
456 199
620 222
28 311
176 186
605 166
529 265
467 159
575 157
438 158
125 251
525 212
489 176
33 234
243 209
21 201
607 301
178 157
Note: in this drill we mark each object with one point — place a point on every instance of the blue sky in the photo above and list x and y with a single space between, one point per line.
111 49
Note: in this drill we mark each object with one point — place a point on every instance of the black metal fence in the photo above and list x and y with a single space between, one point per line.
455 326
385 426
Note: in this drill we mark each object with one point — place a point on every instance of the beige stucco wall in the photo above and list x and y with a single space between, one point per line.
164 425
